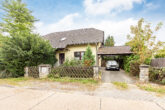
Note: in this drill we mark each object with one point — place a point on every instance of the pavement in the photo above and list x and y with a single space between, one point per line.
115 76
20 98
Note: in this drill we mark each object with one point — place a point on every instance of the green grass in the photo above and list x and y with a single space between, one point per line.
24 81
151 88
120 85
77 80
14 81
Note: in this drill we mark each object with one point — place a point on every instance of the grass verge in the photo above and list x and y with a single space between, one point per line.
72 80
14 81
120 85
21 81
152 88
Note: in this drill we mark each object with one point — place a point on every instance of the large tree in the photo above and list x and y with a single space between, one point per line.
17 18
21 47
143 41
109 41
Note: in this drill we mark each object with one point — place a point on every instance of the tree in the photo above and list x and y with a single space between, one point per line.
160 53
22 47
88 58
143 41
109 41
17 17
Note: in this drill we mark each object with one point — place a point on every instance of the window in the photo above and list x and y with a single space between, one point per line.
78 55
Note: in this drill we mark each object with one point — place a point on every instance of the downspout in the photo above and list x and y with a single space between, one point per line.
96 54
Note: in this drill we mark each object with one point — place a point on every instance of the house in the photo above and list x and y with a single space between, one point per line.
72 44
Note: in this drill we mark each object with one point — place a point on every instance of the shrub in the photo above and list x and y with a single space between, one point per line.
134 68
157 75
88 58
128 60
72 62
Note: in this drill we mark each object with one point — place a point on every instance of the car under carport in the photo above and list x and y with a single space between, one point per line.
113 51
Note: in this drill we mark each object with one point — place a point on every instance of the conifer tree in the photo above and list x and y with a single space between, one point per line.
88 58
110 41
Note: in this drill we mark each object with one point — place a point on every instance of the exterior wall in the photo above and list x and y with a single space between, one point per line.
69 51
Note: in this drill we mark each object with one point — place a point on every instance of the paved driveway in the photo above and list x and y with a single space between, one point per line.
119 76
27 99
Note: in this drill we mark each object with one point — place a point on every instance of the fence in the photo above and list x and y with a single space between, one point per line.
158 62
33 72
37 71
76 72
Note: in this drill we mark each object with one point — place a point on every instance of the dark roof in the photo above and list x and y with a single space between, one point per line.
73 37
116 50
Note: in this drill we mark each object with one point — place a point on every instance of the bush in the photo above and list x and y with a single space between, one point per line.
72 62
157 75
134 68
128 60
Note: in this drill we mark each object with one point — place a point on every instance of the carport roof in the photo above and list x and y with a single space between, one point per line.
116 50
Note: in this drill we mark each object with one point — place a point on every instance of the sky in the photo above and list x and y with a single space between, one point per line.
114 17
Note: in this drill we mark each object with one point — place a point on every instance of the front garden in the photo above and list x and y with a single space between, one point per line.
22 47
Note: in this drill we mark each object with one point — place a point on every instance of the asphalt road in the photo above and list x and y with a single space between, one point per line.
19 98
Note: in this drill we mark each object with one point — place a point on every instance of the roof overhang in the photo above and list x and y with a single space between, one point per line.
115 50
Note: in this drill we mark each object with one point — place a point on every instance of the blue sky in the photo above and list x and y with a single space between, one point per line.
112 16
53 10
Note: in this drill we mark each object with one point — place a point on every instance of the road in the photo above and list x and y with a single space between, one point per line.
20 98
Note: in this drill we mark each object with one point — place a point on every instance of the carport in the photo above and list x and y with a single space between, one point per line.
115 52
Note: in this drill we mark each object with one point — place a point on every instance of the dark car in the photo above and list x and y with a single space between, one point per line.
112 64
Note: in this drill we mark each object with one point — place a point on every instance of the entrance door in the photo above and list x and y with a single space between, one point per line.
61 58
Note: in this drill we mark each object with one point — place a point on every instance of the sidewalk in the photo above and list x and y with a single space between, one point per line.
27 99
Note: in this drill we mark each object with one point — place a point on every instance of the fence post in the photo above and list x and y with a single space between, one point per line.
144 73
26 72
44 70
96 72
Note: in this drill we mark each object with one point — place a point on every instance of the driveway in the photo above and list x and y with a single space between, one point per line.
113 76
16 98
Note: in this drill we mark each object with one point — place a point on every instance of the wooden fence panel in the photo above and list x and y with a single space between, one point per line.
158 62
76 72
33 71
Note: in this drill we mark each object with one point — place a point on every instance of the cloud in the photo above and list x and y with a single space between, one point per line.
64 24
161 33
119 29
151 6
108 6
